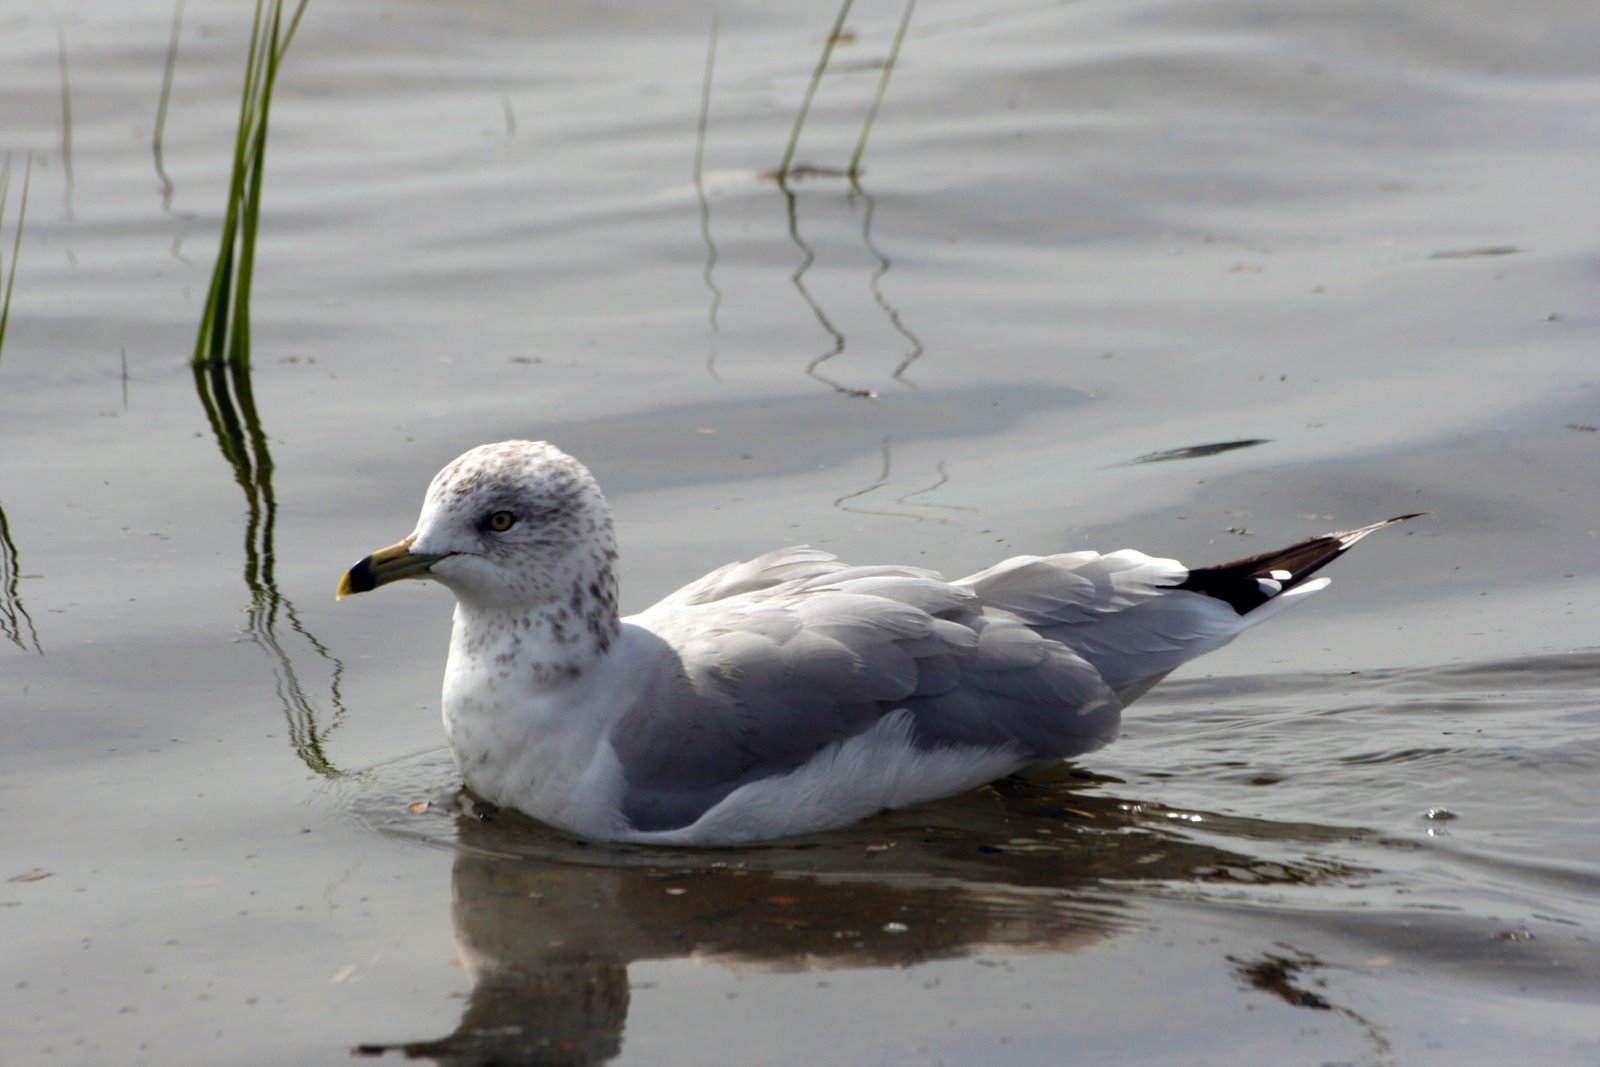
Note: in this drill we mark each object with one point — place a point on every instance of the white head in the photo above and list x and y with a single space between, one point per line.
516 528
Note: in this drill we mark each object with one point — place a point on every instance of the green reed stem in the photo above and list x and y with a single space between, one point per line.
16 242
66 124
161 108
705 102
883 87
811 90
225 322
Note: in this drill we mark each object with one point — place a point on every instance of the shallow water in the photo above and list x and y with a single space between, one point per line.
1087 235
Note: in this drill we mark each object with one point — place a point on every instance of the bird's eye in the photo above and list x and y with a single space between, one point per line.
501 521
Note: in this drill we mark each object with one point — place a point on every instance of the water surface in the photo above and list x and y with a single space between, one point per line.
1088 236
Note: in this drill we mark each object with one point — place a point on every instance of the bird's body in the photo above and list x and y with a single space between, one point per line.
790 693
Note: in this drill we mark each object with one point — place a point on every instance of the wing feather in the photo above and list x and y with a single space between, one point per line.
797 562
1074 586
776 659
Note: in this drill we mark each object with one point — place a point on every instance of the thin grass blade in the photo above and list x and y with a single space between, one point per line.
811 91
16 241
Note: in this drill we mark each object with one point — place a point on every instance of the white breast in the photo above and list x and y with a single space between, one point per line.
537 745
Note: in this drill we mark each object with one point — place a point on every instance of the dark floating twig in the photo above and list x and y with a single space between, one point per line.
1199 451
1472 253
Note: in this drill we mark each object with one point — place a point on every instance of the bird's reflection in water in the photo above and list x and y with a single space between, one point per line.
547 926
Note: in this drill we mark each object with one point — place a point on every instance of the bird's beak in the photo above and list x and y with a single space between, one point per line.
384 566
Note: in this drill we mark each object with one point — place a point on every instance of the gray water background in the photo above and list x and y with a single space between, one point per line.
1088 234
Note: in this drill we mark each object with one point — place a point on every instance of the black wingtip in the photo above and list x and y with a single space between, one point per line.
1246 584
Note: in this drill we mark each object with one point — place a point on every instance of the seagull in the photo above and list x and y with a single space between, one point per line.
791 693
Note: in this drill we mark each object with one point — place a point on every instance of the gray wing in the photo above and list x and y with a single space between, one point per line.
753 576
1136 617
774 660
